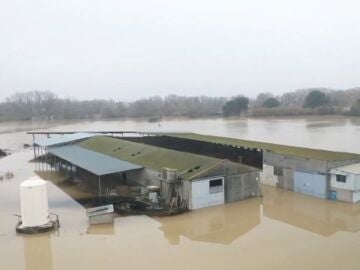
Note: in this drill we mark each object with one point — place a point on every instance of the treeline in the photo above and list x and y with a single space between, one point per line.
46 105
318 101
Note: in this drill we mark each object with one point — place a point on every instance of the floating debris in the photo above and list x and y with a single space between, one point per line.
6 176
101 215
9 175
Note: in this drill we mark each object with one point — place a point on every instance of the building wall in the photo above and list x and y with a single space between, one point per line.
343 195
350 183
295 163
356 196
241 186
305 175
357 182
237 184
286 179
313 184
348 191
268 177
201 195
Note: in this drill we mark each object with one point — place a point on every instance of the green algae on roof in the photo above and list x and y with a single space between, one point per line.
275 148
156 158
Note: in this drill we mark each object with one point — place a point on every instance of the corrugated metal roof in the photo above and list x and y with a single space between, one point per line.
188 165
62 139
92 161
352 168
275 148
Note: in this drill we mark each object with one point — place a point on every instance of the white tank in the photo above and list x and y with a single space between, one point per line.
34 202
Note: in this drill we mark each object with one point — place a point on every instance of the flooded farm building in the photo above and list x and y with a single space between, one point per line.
299 169
113 165
202 160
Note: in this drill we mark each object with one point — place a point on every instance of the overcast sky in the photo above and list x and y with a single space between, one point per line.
126 50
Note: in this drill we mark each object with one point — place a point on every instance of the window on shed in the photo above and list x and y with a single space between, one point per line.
215 186
278 171
341 178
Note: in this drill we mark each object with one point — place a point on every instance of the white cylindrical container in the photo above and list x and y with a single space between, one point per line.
34 202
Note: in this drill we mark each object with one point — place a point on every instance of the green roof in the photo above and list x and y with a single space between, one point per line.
275 148
189 165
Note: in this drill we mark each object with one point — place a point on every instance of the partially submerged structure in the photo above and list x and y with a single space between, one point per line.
299 169
190 180
345 183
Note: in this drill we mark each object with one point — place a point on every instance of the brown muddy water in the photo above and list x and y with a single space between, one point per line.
282 230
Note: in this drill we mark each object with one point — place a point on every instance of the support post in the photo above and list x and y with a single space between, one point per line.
99 185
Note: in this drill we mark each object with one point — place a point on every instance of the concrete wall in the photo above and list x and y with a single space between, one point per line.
347 195
286 180
343 195
268 177
313 184
241 186
295 163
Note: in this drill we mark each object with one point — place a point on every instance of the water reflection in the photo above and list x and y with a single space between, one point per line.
225 223
355 121
221 224
319 216
101 229
324 122
38 252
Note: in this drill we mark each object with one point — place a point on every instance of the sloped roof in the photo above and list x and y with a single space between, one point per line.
188 165
62 139
352 168
275 148
92 161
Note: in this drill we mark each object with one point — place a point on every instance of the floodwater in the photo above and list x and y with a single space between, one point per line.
281 230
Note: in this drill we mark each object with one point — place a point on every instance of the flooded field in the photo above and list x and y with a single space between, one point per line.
324 132
281 230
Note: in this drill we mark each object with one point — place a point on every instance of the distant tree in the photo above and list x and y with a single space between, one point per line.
235 106
260 99
355 109
315 99
271 103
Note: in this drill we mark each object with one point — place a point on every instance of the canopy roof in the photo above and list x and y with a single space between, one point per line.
62 139
92 161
